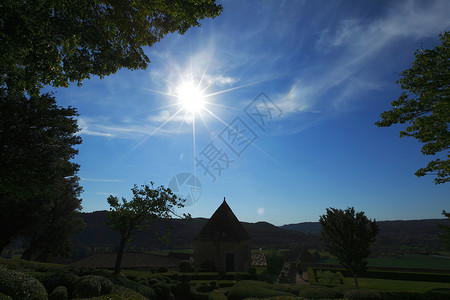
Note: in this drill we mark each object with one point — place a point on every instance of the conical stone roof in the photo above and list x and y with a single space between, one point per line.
223 226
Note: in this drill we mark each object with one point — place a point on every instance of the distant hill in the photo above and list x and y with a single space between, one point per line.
417 235
393 234
97 236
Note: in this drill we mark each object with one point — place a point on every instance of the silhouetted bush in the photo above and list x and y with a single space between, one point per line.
126 293
162 270
252 270
320 293
59 293
364 295
185 266
60 278
125 282
249 288
216 295
92 286
436 294
19 285
162 291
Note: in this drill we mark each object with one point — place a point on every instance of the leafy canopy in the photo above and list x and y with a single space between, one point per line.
38 187
148 204
348 236
47 42
425 105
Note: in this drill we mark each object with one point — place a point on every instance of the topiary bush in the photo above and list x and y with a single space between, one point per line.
59 293
250 288
320 293
5 297
436 294
364 295
19 285
92 286
162 291
185 266
60 278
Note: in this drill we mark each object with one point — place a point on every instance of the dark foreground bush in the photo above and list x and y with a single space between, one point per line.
60 278
59 293
365 295
216 295
436 294
18 285
320 293
92 286
162 291
249 288
125 282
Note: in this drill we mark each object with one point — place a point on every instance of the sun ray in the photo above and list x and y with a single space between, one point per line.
152 133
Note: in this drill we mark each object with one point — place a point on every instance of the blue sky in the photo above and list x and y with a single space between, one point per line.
292 90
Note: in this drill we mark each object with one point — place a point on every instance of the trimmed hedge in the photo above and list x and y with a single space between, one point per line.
392 275
59 293
249 288
19 285
92 286
313 292
162 291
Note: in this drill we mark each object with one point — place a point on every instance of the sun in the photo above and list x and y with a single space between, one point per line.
190 97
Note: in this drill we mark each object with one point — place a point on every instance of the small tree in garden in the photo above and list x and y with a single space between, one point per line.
348 236
147 205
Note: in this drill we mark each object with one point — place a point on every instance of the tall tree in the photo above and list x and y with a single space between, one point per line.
51 42
425 105
348 236
37 140
445 236
148 204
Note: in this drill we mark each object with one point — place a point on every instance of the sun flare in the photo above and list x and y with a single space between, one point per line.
190 97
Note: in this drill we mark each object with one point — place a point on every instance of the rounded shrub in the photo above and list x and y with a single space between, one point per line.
252 271
5 297
19 285
59 293
363 295
60 278
185 266
162 270
320 293
92 286
162 291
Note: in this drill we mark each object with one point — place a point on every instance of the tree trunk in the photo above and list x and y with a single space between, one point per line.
356 281
123 241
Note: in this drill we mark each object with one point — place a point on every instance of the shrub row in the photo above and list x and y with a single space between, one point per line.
393 275
19 285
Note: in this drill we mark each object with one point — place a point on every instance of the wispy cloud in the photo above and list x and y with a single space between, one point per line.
353 44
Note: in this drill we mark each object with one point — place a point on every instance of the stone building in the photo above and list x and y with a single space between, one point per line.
223 242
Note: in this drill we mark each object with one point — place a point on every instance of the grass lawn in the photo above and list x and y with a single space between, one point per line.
395 285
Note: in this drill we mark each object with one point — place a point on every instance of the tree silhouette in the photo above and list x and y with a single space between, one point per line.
37 178
348 236
148 204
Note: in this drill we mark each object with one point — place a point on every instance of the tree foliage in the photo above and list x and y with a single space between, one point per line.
148 204
46 42
445 235
348 236
38 187
425 105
